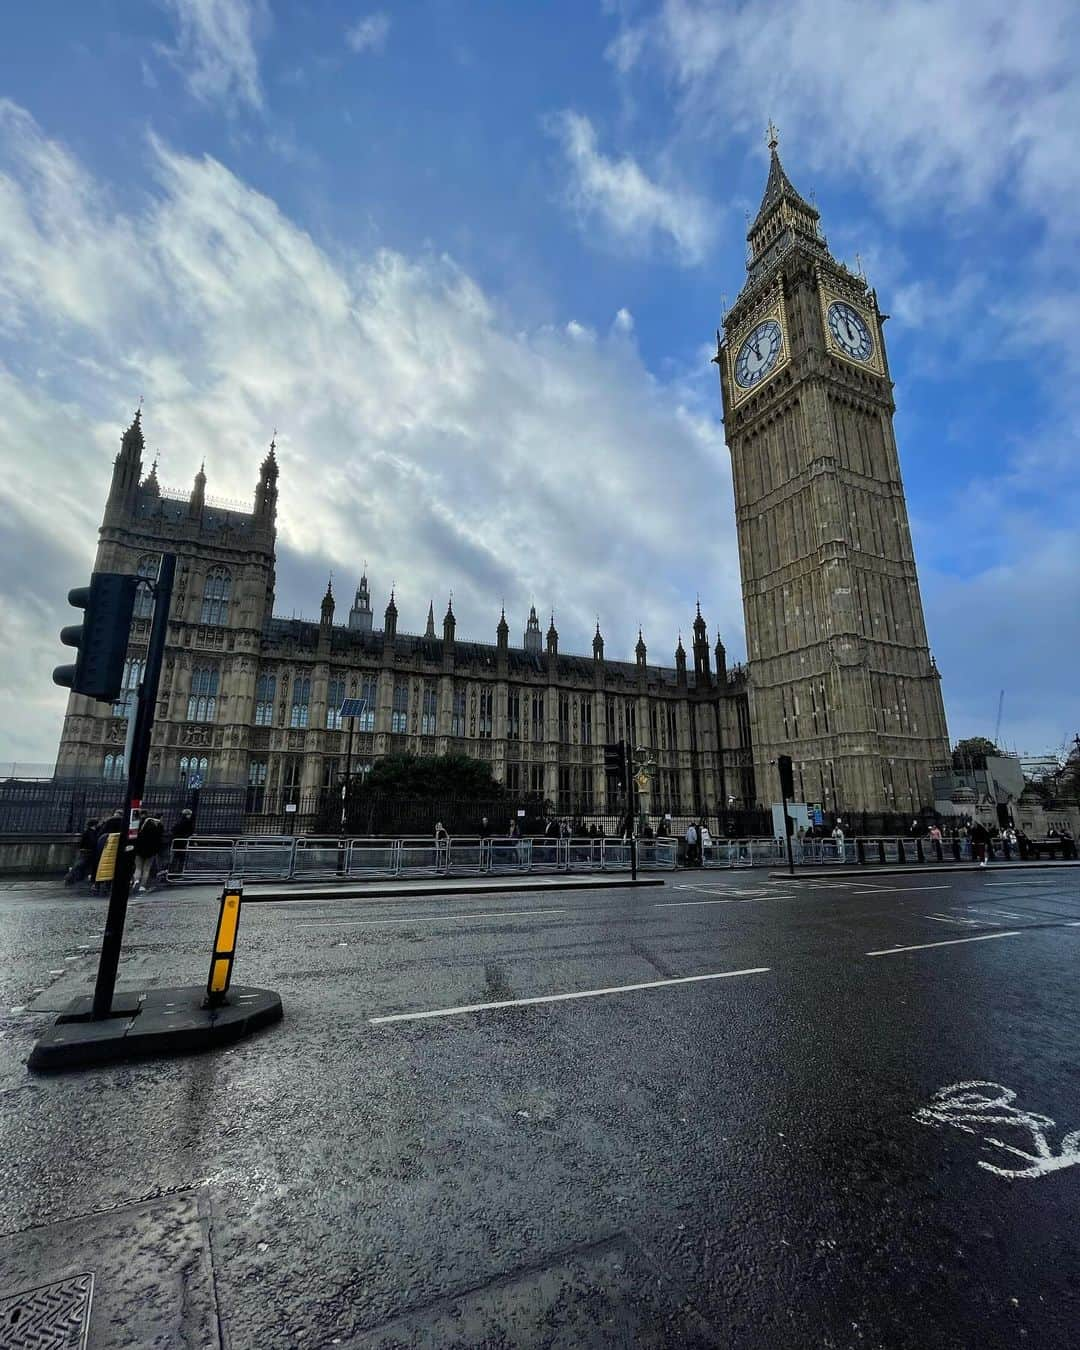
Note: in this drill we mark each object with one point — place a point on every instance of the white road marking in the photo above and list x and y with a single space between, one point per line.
1004 913
949 942
944 918
979 1103
684 904
562 998
428 918
902 890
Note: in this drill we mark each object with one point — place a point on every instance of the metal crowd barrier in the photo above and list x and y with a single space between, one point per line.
310 857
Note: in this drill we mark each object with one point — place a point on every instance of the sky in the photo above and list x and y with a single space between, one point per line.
468 261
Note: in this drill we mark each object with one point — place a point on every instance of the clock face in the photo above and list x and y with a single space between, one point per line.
758 354
849 331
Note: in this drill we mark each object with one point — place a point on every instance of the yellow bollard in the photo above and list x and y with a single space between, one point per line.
107 862
221 960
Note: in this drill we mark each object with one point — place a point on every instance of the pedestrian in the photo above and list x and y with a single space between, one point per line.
148 844
691 845
513 831
980 838
87 851
647 832
485 828
705 839
181 833
838 840
551 829
935 834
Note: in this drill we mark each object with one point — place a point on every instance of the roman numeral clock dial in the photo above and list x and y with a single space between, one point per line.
849 331
758 355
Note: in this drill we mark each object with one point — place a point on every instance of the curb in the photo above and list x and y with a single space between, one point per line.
375 891
159 1022
922 869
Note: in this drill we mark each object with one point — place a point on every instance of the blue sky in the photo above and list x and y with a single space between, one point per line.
469 259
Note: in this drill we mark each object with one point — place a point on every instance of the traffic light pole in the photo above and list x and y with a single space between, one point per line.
631 820
136 782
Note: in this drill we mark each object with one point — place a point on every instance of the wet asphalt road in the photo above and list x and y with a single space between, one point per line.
735 1161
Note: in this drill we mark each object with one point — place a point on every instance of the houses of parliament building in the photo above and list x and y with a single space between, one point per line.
838 672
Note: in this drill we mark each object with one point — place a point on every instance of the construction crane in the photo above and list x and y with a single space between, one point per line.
997 724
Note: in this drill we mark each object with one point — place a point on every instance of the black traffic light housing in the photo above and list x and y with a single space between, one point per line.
102 638
615 758
787 777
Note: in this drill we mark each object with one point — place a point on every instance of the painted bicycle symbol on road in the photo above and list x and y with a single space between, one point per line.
976 1107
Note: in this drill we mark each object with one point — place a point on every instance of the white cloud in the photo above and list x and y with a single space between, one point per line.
369 33
933 103
215 48
420 426
618 195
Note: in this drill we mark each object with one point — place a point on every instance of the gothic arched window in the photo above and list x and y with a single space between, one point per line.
113 768
264 700
144 601
202 701
125 701
192 766
215 601
301 698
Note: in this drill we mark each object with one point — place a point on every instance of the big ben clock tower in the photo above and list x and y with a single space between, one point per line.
841 676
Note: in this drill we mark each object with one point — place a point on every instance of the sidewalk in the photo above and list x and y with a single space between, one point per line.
924 868
263 892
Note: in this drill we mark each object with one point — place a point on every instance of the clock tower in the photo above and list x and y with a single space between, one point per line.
841 676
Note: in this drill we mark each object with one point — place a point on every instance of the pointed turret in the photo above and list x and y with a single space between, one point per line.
449 623
327 608
429 631
532 640
680 664
701 649
639 650
597 644
782 209
390 624
360 616
127 467
197 500
266 488
721 660
502 634
552 638
150 484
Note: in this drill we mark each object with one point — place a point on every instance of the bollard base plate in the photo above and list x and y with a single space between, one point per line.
147 1025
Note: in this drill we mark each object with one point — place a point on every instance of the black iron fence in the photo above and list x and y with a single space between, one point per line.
55 807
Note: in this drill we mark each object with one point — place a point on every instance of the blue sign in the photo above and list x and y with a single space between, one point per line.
819 818
195 782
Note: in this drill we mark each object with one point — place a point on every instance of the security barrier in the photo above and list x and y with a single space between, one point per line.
308 857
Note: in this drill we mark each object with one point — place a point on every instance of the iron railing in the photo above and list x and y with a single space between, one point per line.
307 857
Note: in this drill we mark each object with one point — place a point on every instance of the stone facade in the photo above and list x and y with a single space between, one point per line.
250 699
840 671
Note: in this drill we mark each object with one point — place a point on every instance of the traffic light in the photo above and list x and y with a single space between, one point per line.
787 777
614 758
102 637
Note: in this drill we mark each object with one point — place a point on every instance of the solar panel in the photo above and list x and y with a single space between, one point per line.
353 707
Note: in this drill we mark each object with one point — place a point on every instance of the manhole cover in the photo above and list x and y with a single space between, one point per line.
51 1317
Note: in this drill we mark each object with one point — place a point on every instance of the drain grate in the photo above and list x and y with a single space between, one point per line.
51 1317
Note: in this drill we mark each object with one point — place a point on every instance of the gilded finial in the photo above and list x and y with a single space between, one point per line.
773 134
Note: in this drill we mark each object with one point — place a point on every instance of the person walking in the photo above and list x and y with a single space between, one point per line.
838 840
181 833
87 852
148 844
691 845
980 838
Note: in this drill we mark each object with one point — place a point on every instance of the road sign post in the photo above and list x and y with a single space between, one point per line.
136 781
787 793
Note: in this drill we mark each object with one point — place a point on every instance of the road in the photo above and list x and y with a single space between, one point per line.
723 1112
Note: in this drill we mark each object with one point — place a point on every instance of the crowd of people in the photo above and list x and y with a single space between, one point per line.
99 845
